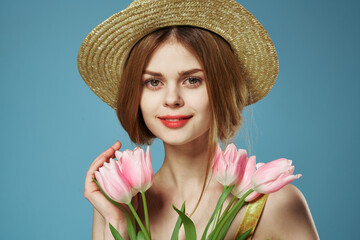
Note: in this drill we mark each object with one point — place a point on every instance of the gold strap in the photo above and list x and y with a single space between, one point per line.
251 216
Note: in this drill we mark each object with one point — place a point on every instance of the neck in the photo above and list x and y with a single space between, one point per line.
184 172
186 164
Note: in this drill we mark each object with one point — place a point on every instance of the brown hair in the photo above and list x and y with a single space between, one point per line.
226 86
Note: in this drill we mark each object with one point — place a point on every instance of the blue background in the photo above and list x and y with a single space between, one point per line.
53 126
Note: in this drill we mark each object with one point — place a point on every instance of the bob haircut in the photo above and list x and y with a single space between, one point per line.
225 82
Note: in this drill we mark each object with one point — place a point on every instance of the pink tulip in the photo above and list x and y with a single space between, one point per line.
229 166
136 168
244 184
272 176
112 181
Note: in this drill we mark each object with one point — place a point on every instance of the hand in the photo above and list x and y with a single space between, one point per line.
93 194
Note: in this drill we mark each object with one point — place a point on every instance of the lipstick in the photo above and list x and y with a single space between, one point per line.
174 121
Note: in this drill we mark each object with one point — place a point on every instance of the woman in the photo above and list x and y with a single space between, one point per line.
167 69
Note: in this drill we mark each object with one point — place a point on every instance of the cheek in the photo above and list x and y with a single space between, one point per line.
200 102
148 104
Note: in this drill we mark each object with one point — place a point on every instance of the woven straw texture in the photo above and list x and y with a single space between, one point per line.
105 49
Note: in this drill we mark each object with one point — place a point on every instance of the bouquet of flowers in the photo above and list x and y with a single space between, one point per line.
121 179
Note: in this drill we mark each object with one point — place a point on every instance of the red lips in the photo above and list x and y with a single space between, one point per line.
174 121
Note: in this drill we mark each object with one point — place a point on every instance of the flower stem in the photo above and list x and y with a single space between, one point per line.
221 200
139 221
217 216
238 205
228 206
146 213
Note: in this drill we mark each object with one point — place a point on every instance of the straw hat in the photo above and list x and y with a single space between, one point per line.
106 47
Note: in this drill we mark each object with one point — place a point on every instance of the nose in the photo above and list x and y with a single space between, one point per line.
173 98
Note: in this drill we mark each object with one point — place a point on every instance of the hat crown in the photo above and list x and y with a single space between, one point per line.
105 49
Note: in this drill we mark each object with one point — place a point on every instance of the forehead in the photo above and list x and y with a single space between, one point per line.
172 55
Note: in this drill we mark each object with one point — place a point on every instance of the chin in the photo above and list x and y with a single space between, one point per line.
177 140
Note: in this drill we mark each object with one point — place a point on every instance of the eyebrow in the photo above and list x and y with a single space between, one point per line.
182 73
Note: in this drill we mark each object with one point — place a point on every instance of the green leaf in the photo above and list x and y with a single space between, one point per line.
115 233
219 204
190 232
141 236
244 235
175 234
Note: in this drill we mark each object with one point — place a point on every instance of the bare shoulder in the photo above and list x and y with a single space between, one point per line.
286 216
286 199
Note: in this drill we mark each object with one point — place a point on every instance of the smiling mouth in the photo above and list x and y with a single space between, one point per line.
175 121
175 117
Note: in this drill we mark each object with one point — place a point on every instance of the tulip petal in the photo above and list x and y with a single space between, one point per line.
100 180
244 184
252 196
137 169
282 181
267 171
118 155
273 176
228 167
113 182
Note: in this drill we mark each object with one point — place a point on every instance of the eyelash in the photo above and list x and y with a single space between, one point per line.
193 85
148 83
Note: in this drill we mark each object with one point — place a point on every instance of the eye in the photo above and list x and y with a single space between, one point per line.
152 83
192 82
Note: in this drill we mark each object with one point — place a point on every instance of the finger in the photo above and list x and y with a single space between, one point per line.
97 164
90 174
99 161
110 152
91 171
115 147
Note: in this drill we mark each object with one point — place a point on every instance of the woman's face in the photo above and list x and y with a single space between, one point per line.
174 102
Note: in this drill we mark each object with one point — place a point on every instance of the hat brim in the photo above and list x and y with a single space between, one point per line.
106 48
